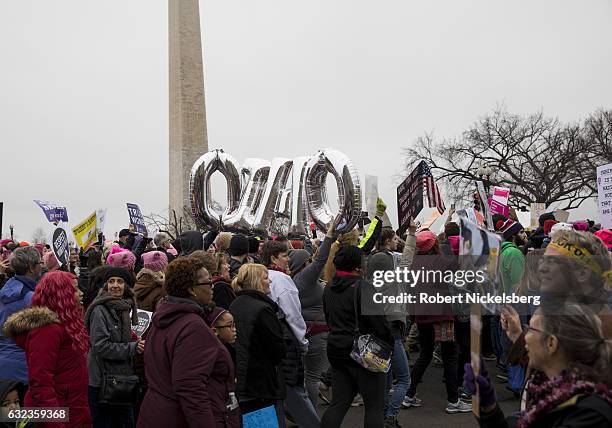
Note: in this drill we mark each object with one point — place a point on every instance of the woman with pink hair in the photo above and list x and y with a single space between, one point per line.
55 341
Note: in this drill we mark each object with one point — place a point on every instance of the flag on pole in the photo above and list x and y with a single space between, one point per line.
434 198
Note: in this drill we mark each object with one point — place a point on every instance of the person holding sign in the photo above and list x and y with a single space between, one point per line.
113 346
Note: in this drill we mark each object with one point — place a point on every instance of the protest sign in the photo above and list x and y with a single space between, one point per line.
262 418
136 218
497 207
60 245
409 199
53 212
371 193
537 209
604 195
562 215
144 321
485 206
101 215
85 232
431 220
501 194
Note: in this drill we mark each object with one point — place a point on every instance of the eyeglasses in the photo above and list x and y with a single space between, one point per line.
203 283
230 326
527 327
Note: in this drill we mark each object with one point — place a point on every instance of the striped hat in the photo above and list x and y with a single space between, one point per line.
509 228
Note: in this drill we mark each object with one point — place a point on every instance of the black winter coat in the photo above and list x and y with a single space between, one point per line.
260 347
339 309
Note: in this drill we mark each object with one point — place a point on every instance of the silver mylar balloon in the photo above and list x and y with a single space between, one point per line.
200 192
299 203
349 189
277 182
254 177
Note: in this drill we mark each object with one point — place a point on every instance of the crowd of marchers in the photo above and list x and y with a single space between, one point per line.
243 323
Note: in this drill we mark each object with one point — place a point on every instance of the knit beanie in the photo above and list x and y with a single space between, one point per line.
509 228
560 226
454 244
425 241
123 259
581 225
297 259
606 237
548 224
155 261
348 258
496 218
50 261
118 272
239 245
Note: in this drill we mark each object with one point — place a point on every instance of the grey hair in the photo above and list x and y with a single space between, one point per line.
23 259
580 335
160 239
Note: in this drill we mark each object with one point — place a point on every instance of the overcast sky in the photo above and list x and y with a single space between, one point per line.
84 86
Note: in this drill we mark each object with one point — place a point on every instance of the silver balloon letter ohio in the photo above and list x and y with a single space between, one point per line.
199 185
277 182
284 195
349 189
254 178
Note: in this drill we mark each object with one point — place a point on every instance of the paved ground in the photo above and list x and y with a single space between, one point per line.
431 414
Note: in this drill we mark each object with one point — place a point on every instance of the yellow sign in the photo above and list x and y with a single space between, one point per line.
86 231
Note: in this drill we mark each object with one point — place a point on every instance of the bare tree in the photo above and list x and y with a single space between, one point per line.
537 157
597 134
173 224
39 236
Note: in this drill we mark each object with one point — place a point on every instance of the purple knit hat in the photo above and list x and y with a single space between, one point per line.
125 259
155 261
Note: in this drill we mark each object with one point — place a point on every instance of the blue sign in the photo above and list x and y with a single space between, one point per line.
53 212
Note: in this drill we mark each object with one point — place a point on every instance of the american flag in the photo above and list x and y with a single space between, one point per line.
434 198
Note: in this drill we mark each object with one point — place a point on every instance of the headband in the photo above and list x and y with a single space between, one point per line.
580 254
212 324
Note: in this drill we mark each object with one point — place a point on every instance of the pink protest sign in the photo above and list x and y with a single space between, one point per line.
498 208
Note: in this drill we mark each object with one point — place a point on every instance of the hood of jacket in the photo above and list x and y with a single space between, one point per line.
172 308
26 320
340 283
147 281
190 241
12 290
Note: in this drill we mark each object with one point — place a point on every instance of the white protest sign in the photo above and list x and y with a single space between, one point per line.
537 209
604 194
101 214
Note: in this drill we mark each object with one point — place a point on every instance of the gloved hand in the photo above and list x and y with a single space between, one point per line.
381 207
487 393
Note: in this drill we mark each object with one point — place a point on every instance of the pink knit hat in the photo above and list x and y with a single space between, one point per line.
454 244
125 259
425 241
50 261
155 261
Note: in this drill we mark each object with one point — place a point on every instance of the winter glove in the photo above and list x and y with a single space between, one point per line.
381 207
487 393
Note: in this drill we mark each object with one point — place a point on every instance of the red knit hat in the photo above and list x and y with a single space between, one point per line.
509 228
548 224
425 241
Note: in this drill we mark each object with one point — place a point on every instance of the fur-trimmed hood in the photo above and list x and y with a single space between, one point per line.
26 320
158 277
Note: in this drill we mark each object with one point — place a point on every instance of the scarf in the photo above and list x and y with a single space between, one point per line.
278 269
120 308
547 394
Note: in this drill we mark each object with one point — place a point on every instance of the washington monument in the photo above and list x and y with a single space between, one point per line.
188 137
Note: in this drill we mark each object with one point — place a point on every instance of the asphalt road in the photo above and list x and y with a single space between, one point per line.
431 414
